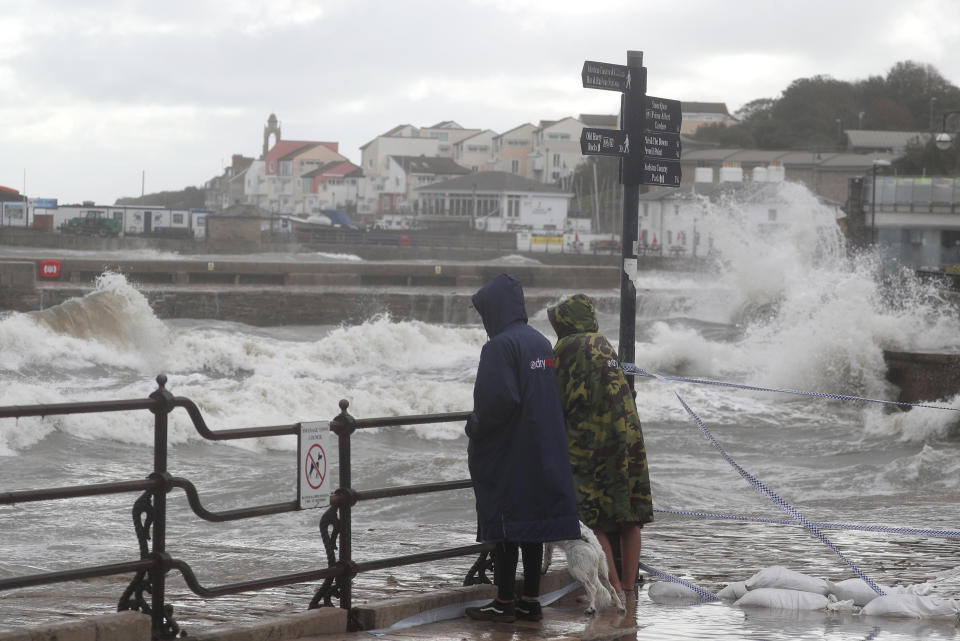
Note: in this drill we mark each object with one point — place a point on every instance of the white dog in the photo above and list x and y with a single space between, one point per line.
586 563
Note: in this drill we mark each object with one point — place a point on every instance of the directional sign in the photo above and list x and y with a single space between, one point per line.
604 142
658 146
603 75
663 115
664 173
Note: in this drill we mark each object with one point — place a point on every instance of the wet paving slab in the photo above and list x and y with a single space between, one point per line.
562 620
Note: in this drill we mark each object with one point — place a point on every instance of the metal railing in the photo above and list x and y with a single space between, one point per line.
146 593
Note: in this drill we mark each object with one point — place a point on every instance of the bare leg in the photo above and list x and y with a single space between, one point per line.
630 540
608 552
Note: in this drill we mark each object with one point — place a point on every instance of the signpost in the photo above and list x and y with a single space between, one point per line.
604 142
649 150
603 75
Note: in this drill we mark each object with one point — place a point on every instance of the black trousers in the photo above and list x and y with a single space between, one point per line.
505 557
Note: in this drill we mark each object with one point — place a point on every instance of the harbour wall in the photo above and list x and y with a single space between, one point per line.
298 293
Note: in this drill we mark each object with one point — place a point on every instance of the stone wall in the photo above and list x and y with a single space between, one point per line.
923 377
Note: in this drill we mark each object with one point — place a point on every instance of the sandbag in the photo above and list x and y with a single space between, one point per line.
670 591
733 591
783 599
856 590
911 606
777 576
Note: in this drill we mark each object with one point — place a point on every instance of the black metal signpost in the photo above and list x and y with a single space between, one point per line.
649 149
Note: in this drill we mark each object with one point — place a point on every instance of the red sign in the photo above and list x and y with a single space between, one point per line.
50 268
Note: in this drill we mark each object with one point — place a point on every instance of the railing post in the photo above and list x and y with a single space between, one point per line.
160 628
343 425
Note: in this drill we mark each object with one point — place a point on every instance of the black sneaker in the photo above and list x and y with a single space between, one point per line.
493 611
528 610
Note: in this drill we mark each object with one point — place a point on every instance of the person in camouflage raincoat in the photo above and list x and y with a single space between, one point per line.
604 435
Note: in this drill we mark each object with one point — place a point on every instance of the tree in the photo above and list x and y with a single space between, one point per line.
188 198
812 113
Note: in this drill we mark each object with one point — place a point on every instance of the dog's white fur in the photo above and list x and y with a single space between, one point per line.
586 563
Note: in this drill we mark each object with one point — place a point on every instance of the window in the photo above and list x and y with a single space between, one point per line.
518 142
556 160
513 206
273 166
286 167
118 215
201 221
307 185
515 166
558 136
177 219
772 215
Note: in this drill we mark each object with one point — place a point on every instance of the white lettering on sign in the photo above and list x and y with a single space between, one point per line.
316 464
606 70
609 82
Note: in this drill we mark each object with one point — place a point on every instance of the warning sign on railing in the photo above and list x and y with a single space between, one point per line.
316 464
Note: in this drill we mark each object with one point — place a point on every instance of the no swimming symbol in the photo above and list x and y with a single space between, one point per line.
315 466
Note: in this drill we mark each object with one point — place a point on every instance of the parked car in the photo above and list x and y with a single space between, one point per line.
607 245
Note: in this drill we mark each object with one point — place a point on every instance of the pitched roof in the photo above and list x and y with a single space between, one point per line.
510 131
890 140
293 153
429 165
472 136
333 169
492 181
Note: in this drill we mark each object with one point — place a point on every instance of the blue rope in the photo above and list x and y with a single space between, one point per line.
783 505
811 526
951 534
630 368
669 577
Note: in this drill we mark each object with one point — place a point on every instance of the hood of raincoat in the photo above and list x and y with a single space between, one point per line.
500 304
575 315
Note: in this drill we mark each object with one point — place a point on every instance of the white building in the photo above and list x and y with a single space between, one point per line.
556 150
406 173
333 185
476 152
684 221
496 201
512 150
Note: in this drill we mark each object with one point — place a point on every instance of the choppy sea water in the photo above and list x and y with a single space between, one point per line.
784 313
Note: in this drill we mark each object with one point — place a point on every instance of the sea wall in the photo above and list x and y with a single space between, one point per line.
923 376
293 293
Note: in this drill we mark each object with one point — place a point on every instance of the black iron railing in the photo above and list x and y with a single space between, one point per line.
146 593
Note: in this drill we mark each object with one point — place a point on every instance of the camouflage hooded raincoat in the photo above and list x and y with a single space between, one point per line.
603 429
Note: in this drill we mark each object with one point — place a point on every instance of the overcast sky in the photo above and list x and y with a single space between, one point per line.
96 93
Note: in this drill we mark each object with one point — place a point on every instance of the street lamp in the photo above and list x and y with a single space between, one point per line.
877 162
943 139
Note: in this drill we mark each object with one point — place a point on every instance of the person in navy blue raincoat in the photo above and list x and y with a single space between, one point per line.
517 453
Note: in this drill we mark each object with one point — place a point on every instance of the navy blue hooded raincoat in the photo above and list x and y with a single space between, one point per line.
518 454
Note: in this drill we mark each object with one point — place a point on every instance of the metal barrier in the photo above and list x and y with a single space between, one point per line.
145 593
